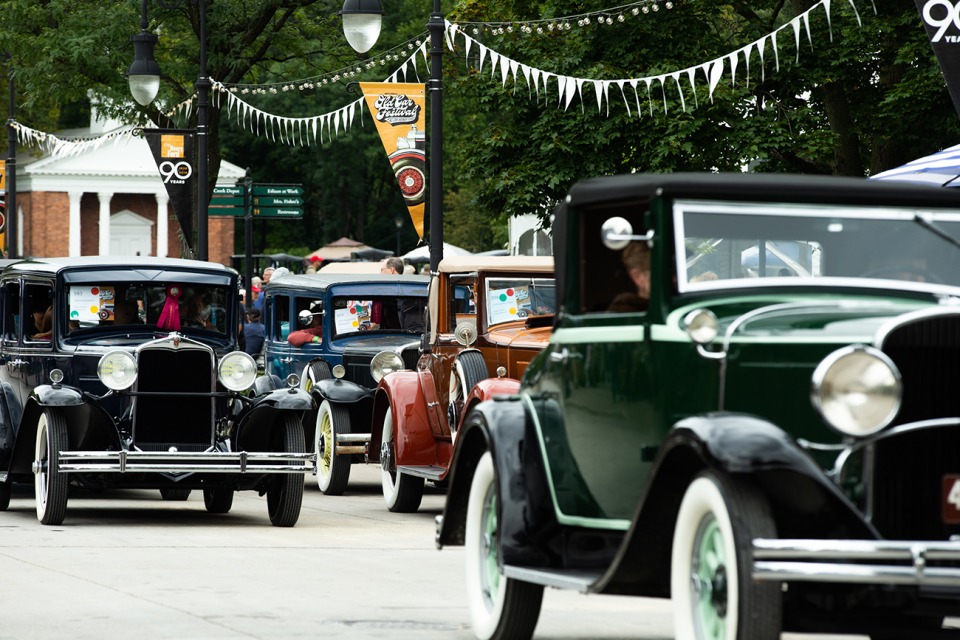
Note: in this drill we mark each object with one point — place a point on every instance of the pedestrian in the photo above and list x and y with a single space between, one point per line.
254 333
392 266
256 300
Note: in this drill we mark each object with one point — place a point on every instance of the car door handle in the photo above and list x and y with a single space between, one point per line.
559 356
286 360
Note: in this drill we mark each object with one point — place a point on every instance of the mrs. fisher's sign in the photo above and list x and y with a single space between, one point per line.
398 113
173 152
941 19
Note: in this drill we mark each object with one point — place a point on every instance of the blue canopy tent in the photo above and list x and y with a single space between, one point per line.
940 169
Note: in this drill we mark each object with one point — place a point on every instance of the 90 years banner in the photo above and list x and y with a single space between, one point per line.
941 20
173 152
397 110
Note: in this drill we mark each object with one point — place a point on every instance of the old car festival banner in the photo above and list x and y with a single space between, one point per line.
172 149
397 110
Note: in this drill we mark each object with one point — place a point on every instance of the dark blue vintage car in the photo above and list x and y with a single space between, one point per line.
348 332
123 372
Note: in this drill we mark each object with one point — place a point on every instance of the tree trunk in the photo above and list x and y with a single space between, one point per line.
888 152
846 148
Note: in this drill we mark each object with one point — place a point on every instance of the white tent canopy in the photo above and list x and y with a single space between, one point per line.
941 169
422 253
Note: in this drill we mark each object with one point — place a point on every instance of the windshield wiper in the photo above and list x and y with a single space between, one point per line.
926 224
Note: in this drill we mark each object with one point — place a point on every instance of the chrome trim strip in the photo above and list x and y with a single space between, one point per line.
854 574
773 549
909 318
166 462
353 437
578 580
180 468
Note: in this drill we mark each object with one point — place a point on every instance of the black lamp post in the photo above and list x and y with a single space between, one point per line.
399 222
365 16
10 199
144 77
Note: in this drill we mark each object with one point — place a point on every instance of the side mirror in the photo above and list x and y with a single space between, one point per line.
305 318
616 233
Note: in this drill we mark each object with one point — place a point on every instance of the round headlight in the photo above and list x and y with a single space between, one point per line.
383 363
701 325
237 371
857 390
339 371
117 370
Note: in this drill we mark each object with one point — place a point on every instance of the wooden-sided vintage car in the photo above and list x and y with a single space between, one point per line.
367 325
748 405
124 373
488 317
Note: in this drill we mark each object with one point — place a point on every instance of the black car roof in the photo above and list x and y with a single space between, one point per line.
320 281
773 187
56 265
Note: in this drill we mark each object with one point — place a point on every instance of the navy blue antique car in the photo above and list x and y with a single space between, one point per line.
348 332
123 372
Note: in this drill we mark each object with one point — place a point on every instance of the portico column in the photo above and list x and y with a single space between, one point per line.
162 217
104 223
74 228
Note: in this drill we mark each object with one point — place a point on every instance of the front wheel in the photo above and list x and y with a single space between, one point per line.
5 490
714 595
333 471
500 608
52 487
401 492
218 500
286 497
469 369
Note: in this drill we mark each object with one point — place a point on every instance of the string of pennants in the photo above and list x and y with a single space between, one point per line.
568 87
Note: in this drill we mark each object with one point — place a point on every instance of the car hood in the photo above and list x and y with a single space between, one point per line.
516 334
375 344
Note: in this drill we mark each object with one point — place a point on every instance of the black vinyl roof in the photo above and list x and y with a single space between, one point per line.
767 187
320 281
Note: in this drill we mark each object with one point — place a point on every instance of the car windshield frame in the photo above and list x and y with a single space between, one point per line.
364 297
682 208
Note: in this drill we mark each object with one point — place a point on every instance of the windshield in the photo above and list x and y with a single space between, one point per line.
136 305
392 314
719 243
519 298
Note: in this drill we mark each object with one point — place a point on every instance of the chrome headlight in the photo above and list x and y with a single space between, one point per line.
237 371
701 325
383 363
117 370
857 390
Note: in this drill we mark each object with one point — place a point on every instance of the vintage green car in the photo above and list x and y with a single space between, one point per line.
749 404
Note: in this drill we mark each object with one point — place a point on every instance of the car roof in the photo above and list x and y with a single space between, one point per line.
56 265
772 187
320 281
532 264
355 268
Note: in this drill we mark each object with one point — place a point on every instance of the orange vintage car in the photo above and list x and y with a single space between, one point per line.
488 317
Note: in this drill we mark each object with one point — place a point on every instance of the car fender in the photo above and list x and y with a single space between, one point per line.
527 521
89 427
255 425
10 412
342 391
804 501
292 399
486 390
415 443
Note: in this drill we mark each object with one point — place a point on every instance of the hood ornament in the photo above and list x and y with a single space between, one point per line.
176 339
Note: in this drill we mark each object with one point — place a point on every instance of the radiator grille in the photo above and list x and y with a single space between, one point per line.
358 371
909 468
165 421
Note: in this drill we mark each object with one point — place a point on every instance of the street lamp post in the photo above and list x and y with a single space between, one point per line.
364 16
10 198
144 77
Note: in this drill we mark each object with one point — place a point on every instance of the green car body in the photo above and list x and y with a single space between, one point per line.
624 422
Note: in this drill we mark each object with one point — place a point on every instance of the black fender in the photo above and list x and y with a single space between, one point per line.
342 391
89 427
527 521
804 501
10 412
255 426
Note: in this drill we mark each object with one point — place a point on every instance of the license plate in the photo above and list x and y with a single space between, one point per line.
951 498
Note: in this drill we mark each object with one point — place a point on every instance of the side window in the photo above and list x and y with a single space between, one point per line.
613 281
303 303
37 323
281 318
462 301
11 317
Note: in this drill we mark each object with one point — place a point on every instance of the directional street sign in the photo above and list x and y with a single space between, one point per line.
277 202
278 190
220 201
277 213
228 191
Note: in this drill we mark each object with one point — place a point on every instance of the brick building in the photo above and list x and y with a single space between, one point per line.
106 201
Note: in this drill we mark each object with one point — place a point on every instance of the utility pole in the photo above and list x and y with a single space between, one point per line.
248 231
11 171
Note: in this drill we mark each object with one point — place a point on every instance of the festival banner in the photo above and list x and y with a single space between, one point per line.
173 152
397 110
941 20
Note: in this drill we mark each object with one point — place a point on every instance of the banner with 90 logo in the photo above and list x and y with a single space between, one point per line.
172 150
941 20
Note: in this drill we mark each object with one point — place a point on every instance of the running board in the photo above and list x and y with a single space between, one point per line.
430 472
558 579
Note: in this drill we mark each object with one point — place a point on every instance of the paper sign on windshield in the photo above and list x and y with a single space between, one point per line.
91 303
356 317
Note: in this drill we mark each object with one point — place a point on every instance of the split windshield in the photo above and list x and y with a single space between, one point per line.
136 305
721 242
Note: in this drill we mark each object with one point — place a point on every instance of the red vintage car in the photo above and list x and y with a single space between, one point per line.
488 317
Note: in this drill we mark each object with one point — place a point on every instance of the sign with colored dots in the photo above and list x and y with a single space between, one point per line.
502 305
91 303
354 317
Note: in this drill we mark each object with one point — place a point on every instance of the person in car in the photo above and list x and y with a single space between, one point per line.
636 258
313 333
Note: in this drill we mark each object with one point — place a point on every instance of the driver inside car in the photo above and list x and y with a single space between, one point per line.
314 332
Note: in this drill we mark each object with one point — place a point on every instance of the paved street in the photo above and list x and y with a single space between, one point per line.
128 565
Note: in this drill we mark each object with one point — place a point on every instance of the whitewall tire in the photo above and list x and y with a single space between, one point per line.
333 471
52 487
401 492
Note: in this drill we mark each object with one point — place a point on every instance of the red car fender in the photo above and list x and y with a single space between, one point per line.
485 390
400 391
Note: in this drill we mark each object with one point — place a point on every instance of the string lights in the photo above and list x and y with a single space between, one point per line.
563 24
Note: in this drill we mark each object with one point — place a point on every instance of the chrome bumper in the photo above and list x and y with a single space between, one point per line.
167 462
856 561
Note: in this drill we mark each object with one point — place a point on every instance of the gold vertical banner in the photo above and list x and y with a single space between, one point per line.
397 111
3 214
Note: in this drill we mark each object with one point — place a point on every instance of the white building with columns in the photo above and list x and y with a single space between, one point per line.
106 201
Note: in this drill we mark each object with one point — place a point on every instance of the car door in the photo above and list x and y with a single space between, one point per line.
277 357
9 356
300 356
36 335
